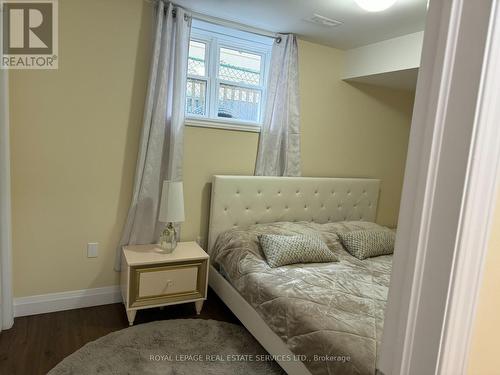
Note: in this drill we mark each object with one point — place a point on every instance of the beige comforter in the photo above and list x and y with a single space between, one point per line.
330 312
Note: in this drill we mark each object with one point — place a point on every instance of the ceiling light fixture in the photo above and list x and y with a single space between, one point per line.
375 5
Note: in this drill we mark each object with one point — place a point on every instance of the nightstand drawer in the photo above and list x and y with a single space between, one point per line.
167 283
157 282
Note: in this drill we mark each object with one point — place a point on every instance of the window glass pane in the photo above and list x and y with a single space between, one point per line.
196 60
196 92
239 102
239 67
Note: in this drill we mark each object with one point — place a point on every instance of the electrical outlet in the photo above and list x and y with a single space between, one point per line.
92 249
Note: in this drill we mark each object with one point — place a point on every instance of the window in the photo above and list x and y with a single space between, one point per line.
227 76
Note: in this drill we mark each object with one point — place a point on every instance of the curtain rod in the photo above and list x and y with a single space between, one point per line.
235 25
223 22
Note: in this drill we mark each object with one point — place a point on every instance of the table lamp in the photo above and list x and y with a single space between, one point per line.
171 212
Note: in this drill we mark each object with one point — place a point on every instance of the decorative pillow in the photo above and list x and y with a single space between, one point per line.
281 250
368 243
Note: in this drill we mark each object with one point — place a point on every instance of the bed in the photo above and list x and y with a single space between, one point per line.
314 318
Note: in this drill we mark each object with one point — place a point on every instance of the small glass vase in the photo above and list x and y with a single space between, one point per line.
168 238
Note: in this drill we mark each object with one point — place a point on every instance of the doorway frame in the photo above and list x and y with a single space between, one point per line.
6 298
449 192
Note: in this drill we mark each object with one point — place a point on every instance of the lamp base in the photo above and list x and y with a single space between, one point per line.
168 238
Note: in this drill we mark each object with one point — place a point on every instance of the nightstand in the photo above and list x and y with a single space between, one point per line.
152 278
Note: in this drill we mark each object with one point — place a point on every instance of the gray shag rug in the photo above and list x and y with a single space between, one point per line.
172 347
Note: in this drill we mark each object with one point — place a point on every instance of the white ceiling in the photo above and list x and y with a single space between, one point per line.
359 27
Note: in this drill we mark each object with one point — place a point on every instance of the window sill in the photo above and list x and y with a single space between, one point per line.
221 124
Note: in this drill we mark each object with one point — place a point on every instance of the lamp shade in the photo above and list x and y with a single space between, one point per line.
172 203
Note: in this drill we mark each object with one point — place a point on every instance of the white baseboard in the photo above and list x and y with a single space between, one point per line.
75 299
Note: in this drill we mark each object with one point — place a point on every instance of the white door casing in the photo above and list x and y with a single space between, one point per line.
448 193
6 305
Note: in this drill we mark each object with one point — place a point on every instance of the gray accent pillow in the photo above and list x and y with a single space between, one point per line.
281 250
368 243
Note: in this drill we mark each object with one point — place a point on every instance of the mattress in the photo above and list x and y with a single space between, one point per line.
330 314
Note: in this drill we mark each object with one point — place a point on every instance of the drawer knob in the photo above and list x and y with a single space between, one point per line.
168 284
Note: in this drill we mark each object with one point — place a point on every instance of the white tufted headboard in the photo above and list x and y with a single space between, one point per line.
239 201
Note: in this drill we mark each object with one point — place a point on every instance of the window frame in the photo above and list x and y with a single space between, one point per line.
201 78
214 41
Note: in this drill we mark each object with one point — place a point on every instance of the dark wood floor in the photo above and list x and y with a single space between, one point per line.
37 343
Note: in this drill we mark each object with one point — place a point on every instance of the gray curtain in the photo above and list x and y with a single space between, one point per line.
161 147
279 142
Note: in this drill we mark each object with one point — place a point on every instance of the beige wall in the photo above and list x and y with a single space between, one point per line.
352 130
483 358
75 134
